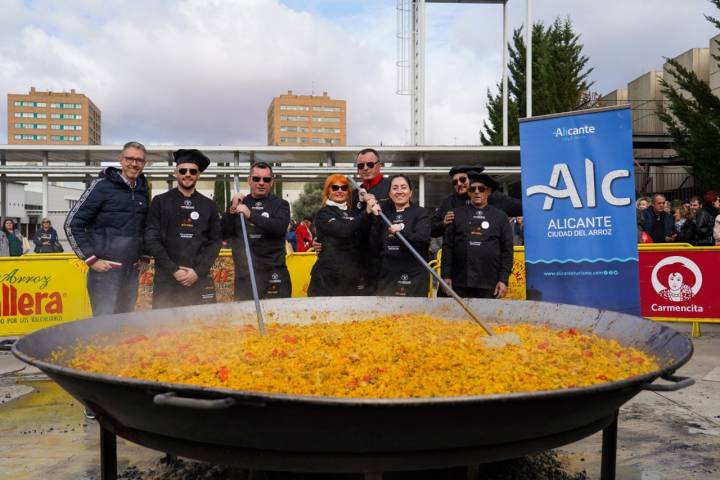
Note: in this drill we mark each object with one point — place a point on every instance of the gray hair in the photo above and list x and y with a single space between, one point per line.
654 197
133 144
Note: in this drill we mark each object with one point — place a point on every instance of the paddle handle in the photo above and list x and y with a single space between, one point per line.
248 255
432 271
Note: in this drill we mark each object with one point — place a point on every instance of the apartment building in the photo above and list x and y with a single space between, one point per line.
53 118
306 120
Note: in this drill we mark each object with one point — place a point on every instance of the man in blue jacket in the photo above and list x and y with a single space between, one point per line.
105 229
657 222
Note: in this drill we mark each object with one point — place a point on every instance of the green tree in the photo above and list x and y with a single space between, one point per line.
692 118
560 78
309 201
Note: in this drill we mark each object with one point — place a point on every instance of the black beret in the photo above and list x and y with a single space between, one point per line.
191 156
464 169
487 180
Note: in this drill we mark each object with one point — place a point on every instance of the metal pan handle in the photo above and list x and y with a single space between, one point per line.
678 383
170 399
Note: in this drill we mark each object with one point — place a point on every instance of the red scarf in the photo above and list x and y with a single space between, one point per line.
368 185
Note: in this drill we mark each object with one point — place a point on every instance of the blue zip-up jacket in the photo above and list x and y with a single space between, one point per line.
108 221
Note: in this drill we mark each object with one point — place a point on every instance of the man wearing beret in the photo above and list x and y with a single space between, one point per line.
478 246
445 213
183 234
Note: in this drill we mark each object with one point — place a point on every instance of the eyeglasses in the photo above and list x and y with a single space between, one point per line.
369 165
139 161
264 179
183 171
478 188
459 180
335 188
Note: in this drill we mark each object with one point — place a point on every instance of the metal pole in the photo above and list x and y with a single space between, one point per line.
417 99
504 77
421 182
3 189
45 187
528 60
108 454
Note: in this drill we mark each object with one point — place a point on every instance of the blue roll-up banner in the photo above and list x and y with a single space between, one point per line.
579 209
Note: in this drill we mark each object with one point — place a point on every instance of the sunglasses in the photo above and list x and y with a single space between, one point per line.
478 188
263 179
335 188
183 171
459 180
369 165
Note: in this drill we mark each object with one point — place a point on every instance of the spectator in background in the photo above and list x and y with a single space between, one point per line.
516 225
46 238
642 203
657 222
14 238
704 218
668 207
304 235
684 225
291 237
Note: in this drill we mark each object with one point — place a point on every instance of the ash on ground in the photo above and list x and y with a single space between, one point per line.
543 466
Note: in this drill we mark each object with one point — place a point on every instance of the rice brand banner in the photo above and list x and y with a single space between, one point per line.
38 291
579 211
680 284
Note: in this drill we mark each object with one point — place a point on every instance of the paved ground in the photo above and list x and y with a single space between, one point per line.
673 435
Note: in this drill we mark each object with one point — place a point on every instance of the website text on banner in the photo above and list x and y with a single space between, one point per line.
680 284
578 199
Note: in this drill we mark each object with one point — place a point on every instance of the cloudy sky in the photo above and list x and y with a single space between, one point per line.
205 71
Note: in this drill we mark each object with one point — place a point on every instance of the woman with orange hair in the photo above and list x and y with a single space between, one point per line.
339 229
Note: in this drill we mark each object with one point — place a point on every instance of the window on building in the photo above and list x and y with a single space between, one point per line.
327 119
55 105
294 139
326 109
300 108
294 118
40 104
326 130
332 141
30 137
295 129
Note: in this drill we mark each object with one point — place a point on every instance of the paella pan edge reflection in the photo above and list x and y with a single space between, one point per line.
391 356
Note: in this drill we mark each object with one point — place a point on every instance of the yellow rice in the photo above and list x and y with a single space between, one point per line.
398 356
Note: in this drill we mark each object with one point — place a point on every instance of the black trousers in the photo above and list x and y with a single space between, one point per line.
168 293
271 283
467 292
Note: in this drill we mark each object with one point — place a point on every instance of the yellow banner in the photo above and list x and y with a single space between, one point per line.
39 291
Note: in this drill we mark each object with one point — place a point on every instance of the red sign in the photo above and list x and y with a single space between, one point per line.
680 284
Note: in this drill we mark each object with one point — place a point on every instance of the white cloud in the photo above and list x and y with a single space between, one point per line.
204 72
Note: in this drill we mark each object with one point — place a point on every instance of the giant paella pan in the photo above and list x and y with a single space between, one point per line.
279 431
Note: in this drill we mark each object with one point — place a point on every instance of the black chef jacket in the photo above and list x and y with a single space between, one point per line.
182 231
370 263
400 272
267 226
338 268
478 248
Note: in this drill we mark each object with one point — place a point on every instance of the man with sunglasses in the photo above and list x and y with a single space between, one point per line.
478 245
183 235
105 230
267 218
445 213
373 186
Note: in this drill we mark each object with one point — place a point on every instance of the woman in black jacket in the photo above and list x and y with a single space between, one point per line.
684 225
337 271
400 273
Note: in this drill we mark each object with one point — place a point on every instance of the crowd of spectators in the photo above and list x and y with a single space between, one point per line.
695 221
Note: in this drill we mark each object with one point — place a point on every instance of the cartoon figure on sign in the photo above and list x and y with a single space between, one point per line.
676 278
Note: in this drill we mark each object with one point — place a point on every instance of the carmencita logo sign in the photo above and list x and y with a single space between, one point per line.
676 278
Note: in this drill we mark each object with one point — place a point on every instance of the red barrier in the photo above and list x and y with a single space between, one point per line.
680 284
